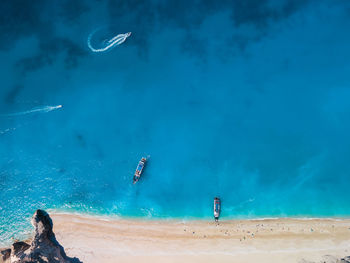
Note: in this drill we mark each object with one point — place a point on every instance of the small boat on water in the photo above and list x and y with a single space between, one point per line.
139 169
217 208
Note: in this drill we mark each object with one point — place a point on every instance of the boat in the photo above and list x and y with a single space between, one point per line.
139 169
217 208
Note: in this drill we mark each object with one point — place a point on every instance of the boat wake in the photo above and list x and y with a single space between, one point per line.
35 110
115 41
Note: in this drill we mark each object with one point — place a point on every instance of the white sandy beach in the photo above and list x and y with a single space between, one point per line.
95 239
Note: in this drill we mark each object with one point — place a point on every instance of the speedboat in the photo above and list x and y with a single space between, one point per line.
217 208
139 169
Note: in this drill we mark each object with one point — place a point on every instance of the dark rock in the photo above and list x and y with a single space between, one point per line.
44 246
18 248
345 260
5 254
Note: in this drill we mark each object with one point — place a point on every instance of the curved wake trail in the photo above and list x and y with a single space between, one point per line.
35 110
115 41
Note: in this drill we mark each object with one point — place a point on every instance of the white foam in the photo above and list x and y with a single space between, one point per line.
35 110
115 41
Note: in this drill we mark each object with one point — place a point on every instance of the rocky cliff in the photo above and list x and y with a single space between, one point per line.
43 248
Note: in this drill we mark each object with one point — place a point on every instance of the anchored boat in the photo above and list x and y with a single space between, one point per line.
217 208
139 169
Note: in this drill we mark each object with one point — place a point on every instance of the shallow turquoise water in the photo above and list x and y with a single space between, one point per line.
246 102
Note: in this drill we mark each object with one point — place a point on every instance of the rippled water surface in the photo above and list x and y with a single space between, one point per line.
246 101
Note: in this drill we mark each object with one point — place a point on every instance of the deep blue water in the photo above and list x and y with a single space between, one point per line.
246 100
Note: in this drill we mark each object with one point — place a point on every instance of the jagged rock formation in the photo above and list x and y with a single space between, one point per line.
5 255
43 248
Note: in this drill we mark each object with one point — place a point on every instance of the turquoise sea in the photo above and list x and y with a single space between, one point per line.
245 100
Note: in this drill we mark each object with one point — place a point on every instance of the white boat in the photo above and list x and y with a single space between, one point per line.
217 208
139 169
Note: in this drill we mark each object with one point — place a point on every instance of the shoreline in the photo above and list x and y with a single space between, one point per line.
175 220
192 218
94 238
264 240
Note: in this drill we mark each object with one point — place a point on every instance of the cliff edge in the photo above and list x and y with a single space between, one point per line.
43 248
